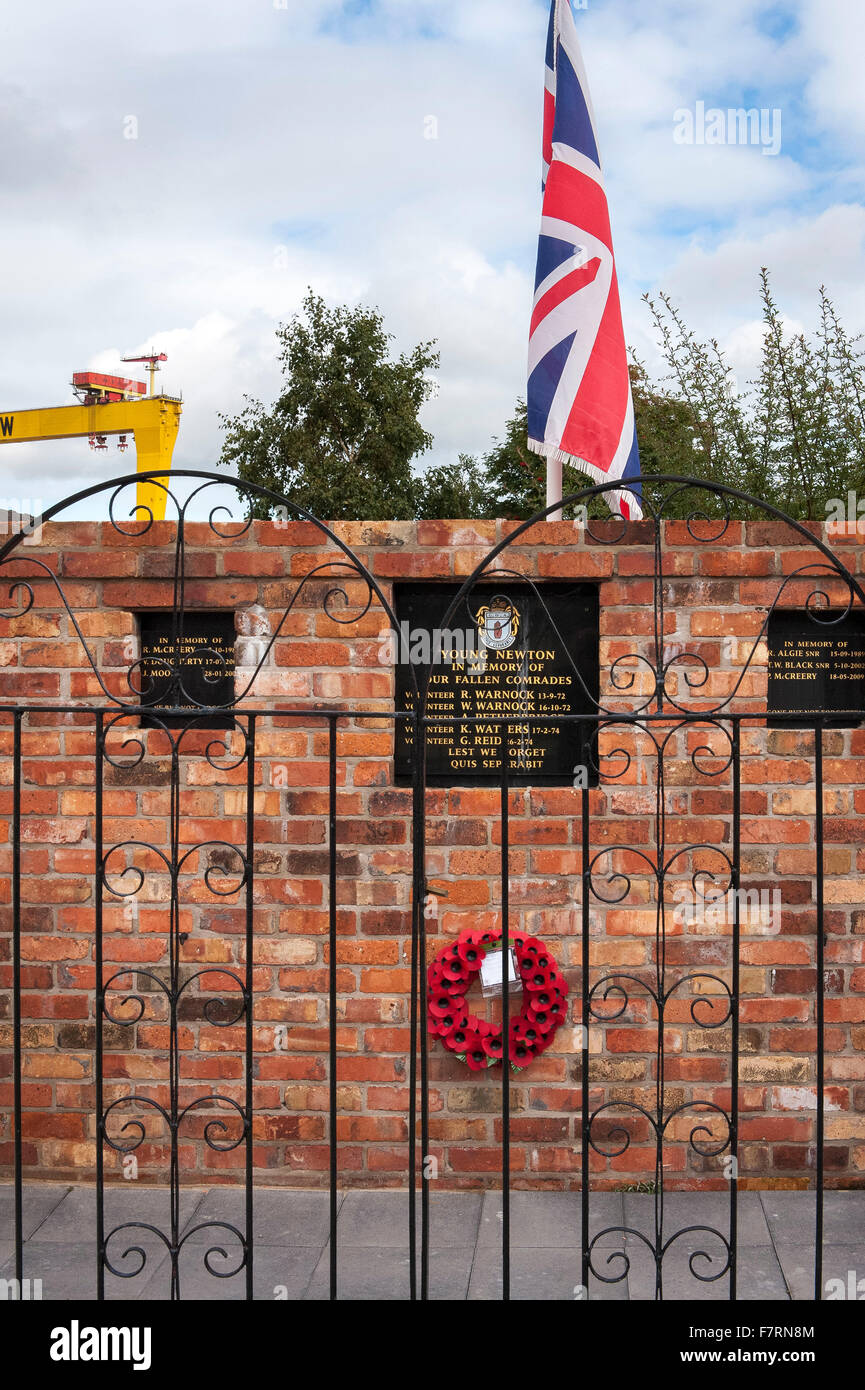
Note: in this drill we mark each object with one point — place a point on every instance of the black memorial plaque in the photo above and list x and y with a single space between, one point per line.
203 659
816 668
508 658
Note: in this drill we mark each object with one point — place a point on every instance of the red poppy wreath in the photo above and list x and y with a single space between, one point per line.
474 1040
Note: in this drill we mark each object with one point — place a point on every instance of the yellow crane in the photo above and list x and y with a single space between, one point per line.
109 405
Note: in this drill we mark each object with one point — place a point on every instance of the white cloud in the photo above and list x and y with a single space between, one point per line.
834 31
285 146
802 253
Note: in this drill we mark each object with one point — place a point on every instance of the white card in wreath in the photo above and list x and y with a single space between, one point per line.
491 974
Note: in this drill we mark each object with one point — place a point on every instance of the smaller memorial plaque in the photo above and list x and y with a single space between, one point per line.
202 661
815 668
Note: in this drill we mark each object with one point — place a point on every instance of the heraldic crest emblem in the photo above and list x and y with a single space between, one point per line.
498 623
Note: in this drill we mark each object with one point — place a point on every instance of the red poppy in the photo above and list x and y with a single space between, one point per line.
455 1018
541 1018
472 934
525 1030
475 1055
470 953
494 1045
440 1004
519 1052
537 981
454 969
455 988
542 999
456 1038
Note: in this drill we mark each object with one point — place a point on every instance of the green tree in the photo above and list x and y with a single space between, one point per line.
666 427
795 435
454 491
340 438
517 477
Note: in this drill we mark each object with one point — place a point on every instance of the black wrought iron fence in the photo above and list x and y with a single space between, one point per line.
652 709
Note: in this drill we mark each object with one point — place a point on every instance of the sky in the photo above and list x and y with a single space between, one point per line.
177 174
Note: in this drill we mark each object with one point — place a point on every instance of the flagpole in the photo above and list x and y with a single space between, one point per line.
554 487
579 400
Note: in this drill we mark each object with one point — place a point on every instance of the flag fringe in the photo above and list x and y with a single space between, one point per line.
621 496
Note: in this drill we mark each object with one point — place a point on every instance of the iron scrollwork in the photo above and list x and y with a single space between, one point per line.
179 726
654 696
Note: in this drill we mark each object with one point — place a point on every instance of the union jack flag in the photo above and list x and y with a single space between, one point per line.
580 408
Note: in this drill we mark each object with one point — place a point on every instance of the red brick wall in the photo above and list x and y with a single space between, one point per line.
715 597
